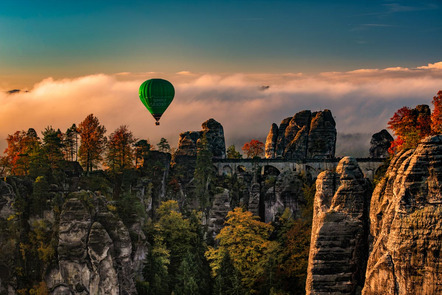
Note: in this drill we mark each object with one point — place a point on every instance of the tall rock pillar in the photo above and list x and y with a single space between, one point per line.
339 246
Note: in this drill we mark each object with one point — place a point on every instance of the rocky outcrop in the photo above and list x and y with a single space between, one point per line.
214 134
285 193
94 249
339 245
306 135
187 143
380 143
270 146
406 224
218 212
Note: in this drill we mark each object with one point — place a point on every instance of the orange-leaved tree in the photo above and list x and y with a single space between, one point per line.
436 116
93 142
120 152
21 146
254 148
409 126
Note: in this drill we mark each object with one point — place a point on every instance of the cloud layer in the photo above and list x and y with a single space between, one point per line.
362 101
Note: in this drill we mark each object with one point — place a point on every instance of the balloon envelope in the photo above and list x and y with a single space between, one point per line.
156 95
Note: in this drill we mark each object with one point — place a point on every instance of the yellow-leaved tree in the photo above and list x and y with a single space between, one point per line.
246 240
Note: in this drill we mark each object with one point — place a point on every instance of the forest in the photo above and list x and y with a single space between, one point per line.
171 217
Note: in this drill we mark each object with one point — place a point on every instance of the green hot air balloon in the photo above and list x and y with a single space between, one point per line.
156 95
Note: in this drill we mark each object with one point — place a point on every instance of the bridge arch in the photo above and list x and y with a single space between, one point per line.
241 169
270 170
311 172
227 170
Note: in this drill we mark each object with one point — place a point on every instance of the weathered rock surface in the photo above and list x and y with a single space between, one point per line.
187 143
214 133
339 246
380 143
270 146
254 198
7 198
406 224
285 193
94 250
218 212
305 135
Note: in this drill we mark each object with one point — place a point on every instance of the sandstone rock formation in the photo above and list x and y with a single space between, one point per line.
94 250
406 224
218 213
285 193
306 135
339 246
379 144
270 146
214 133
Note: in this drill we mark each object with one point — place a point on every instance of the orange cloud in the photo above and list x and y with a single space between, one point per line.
361 100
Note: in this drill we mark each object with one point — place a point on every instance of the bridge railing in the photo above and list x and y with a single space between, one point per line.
300 161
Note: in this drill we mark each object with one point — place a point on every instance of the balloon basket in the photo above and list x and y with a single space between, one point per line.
157 123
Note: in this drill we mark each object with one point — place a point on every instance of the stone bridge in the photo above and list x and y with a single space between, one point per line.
311 167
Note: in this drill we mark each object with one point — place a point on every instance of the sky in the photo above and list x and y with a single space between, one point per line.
361 59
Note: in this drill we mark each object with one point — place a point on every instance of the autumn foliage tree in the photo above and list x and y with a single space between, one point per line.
22 146
120 152
93 142
232 153
254 148
436 116
246 239
410 126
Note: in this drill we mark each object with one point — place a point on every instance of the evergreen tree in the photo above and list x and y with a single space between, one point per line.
155 271
228 279
52 147
188 276
163 145
142 147
70 143
232 153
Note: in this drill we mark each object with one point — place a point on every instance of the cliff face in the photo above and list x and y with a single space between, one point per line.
214 133
339 246
285 193
305 135
380 143
406 224
94 251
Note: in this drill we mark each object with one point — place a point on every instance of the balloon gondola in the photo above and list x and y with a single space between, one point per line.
156 95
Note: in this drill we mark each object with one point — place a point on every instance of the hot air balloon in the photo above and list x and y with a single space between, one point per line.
156 95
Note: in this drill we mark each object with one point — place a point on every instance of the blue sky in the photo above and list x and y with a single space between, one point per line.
73 38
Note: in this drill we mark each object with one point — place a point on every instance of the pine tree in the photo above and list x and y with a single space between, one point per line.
70 142
163 145
228 279
142 147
